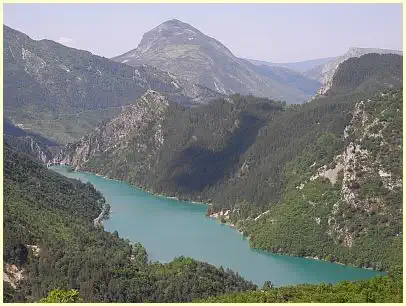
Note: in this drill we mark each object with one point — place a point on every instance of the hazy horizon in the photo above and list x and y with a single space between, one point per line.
276 33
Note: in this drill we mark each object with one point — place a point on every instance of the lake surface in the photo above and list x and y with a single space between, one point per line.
169 228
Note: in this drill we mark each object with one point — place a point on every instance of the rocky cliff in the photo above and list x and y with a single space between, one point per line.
348 208
136 132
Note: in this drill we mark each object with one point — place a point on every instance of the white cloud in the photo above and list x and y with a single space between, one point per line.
65 40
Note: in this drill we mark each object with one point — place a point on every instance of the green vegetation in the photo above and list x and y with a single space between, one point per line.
49 235
251 155
313 218
68 127
244 154
368 73
64 93
62 296
387 289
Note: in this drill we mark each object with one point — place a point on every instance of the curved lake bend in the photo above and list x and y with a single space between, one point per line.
169 228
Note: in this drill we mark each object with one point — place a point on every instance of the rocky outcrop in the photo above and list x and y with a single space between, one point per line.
135 131
12 275
104 214
367 180
31 146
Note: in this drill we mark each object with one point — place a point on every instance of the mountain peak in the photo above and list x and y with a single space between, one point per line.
171 29
175 22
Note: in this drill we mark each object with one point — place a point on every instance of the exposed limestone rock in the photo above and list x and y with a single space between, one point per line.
264 213
360 166
12 275
35 249
332 173
114 137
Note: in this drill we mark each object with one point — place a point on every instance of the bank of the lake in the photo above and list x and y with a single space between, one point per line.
169 228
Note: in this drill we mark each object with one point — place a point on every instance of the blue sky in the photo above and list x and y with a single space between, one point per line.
271 32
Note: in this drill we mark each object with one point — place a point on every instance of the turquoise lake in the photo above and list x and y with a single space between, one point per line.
169 228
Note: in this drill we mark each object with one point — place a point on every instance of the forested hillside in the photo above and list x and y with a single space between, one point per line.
326 71
30 143
50 242
342 203
262 164
387 289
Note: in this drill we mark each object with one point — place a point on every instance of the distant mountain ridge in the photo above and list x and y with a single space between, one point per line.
186 52
46 83
300 66
323 69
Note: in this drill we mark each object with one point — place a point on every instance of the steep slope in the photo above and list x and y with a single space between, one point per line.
325 72
50 242
247 155
186 52
133 137
369 72
30 146
228 150
349 207
46 85
10 129
186 151
29 143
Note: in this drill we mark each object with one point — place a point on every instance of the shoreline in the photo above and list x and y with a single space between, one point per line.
219 216
144 190
134 186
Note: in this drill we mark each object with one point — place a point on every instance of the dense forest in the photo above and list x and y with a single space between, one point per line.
352 213
50 243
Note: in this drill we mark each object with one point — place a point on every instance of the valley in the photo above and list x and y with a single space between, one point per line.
168 228
181 172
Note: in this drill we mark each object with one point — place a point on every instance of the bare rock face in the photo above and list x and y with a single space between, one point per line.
189 54
138 125
31 146
368 180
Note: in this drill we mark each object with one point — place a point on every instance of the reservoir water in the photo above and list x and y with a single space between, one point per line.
169 228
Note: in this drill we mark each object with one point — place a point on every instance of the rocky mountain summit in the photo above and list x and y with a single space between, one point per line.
186 52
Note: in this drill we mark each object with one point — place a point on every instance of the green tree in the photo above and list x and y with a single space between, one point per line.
62 296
